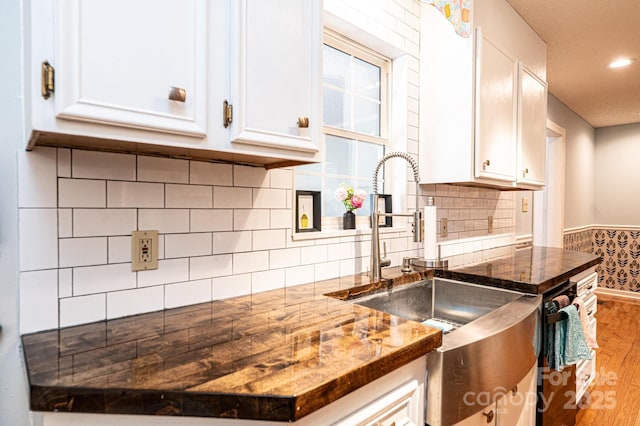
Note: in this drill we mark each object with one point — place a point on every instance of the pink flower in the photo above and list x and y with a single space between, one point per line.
356 202
351 199
341 194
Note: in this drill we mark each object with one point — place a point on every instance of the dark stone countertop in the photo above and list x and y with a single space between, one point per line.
531 269
278 355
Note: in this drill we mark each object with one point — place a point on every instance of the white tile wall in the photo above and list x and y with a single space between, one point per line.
165 221
231 286
38 300
82 309
267 280
210 266
186 245
103 165
232 198
212 220
103 279
154 169
82 193
169 271
211 174
83 251
38 239
224 230
130 302
96 222
254 177
135 194
189 196
187 293
37 177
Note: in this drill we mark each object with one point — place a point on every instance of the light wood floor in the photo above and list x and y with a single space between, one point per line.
615 395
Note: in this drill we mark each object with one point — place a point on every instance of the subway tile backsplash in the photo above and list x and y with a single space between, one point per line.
224 231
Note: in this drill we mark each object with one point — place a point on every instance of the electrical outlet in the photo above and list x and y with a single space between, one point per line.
144 250
444 227
525 204
490 224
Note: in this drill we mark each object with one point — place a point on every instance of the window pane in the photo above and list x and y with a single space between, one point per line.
309 168
368 156
336 67
339 155
367 117
308 182
331 206
366 79
336 108
366 186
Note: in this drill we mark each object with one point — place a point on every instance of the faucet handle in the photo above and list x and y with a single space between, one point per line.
383 260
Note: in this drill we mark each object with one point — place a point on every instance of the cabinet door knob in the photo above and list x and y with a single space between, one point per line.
303 122
524 172
177 94
489 416
486 163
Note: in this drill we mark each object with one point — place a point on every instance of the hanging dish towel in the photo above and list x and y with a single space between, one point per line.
587 329
570 345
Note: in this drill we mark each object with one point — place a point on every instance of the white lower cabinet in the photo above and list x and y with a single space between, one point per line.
516 407
586 285
398 408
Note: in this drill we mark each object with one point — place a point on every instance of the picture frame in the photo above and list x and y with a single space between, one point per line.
385 206
308 211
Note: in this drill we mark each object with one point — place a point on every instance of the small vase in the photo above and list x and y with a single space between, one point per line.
349 220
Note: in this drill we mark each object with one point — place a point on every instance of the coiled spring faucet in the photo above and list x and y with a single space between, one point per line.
375 270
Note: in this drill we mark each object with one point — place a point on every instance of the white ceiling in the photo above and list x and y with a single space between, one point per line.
582 37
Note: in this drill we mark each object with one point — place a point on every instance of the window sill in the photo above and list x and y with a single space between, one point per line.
340 233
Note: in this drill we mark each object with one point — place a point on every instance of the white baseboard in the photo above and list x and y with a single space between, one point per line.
618 293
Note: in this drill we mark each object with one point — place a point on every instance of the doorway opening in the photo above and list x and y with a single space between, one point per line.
548 204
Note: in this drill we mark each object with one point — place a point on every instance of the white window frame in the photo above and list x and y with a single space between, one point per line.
332 224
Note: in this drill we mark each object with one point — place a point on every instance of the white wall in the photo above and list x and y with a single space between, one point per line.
580 164
617 156
13 387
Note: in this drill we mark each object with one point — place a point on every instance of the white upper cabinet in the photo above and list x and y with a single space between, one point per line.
119 60
495 118
532 129
275 77
153 76
482 99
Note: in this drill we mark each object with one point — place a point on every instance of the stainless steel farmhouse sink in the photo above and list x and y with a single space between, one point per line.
449 303
491 345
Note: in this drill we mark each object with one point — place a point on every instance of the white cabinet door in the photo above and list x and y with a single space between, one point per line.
118 60
481 418
275 82
532 141
518 406
495 129
400 407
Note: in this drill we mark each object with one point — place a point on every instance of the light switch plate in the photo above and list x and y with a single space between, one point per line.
144 250
525 205
490 224
444 227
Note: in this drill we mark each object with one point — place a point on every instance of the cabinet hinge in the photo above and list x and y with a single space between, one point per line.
47 80
227 114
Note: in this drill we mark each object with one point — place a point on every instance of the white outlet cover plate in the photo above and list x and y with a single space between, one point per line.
144 250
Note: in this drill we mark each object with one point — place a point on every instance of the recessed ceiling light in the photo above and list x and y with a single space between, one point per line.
621 63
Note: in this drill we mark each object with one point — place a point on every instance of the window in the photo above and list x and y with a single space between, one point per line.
355 112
